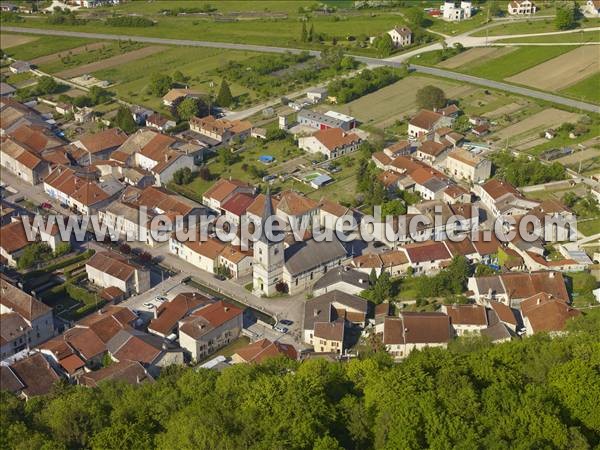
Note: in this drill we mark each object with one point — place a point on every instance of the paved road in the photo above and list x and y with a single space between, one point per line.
467 41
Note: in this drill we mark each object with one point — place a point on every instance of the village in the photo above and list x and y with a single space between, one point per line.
111 308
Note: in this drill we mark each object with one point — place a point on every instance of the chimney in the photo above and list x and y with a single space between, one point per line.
490 293
156 313
316 312
137 379
551 274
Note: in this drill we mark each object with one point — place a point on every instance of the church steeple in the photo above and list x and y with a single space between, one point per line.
267 212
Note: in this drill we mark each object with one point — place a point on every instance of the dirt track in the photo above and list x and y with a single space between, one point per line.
111 62
562 71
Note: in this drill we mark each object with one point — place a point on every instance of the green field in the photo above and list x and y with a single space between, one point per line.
580 36
530 26
279 32
589 227
587 90
194 62
45 46
515 62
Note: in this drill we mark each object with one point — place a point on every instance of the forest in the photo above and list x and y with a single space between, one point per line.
539 392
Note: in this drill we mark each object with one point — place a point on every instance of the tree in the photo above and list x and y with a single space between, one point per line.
431 97
159 84
461 124
183 176
124 120
46 85
394 207
415 17
34 253
204 173
565 17
303 35
224 97
311 33
62 249
98 95
227 157
384 45
179 77
190 107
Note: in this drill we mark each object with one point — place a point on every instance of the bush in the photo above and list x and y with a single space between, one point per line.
348 89
129 21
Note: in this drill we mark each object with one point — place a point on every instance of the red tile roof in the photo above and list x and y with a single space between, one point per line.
260 350
104 140
238 204
336 138
427 251
218 313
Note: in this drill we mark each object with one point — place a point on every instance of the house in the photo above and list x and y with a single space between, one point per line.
237 262
344 279
481 130
168 314
100 145
29 377
433 153
21 161
263 349
327 317
330 212
202 254
521 7
543 313
106 269
174 96
502 198
497 331
83 115
401 36
451 12
330 119
162 157
15 239
331 142
393 262
426 121
24 321
14 115
427 257
235 208
152 351
293 207
130 372
80 193
504 313
400 148
223 190
466 319
316 95
63 357
221 130
159 122
456 194
591 8
208 329
415 331
464 165
514 287
140 114
20 67
6 90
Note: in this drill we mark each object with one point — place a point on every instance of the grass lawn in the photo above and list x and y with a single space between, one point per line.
530 26
230 349
581 36
580 288
45 46
131 83
107 50
589 227
521 59
587 90
454 28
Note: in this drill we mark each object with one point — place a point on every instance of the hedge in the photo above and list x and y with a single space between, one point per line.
59 265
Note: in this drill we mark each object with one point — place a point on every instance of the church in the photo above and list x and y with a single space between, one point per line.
293 268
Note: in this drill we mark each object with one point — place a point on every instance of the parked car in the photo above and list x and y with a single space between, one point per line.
149 305
161 299
286 322
45 205
280 328
220 277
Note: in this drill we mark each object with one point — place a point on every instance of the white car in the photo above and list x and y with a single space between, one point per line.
149 305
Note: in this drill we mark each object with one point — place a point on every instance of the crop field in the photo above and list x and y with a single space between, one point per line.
396 101
475 55
131 82
587 89
514 62
13 40
560 72
509 108
538 122
72 53
45 46
114 61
